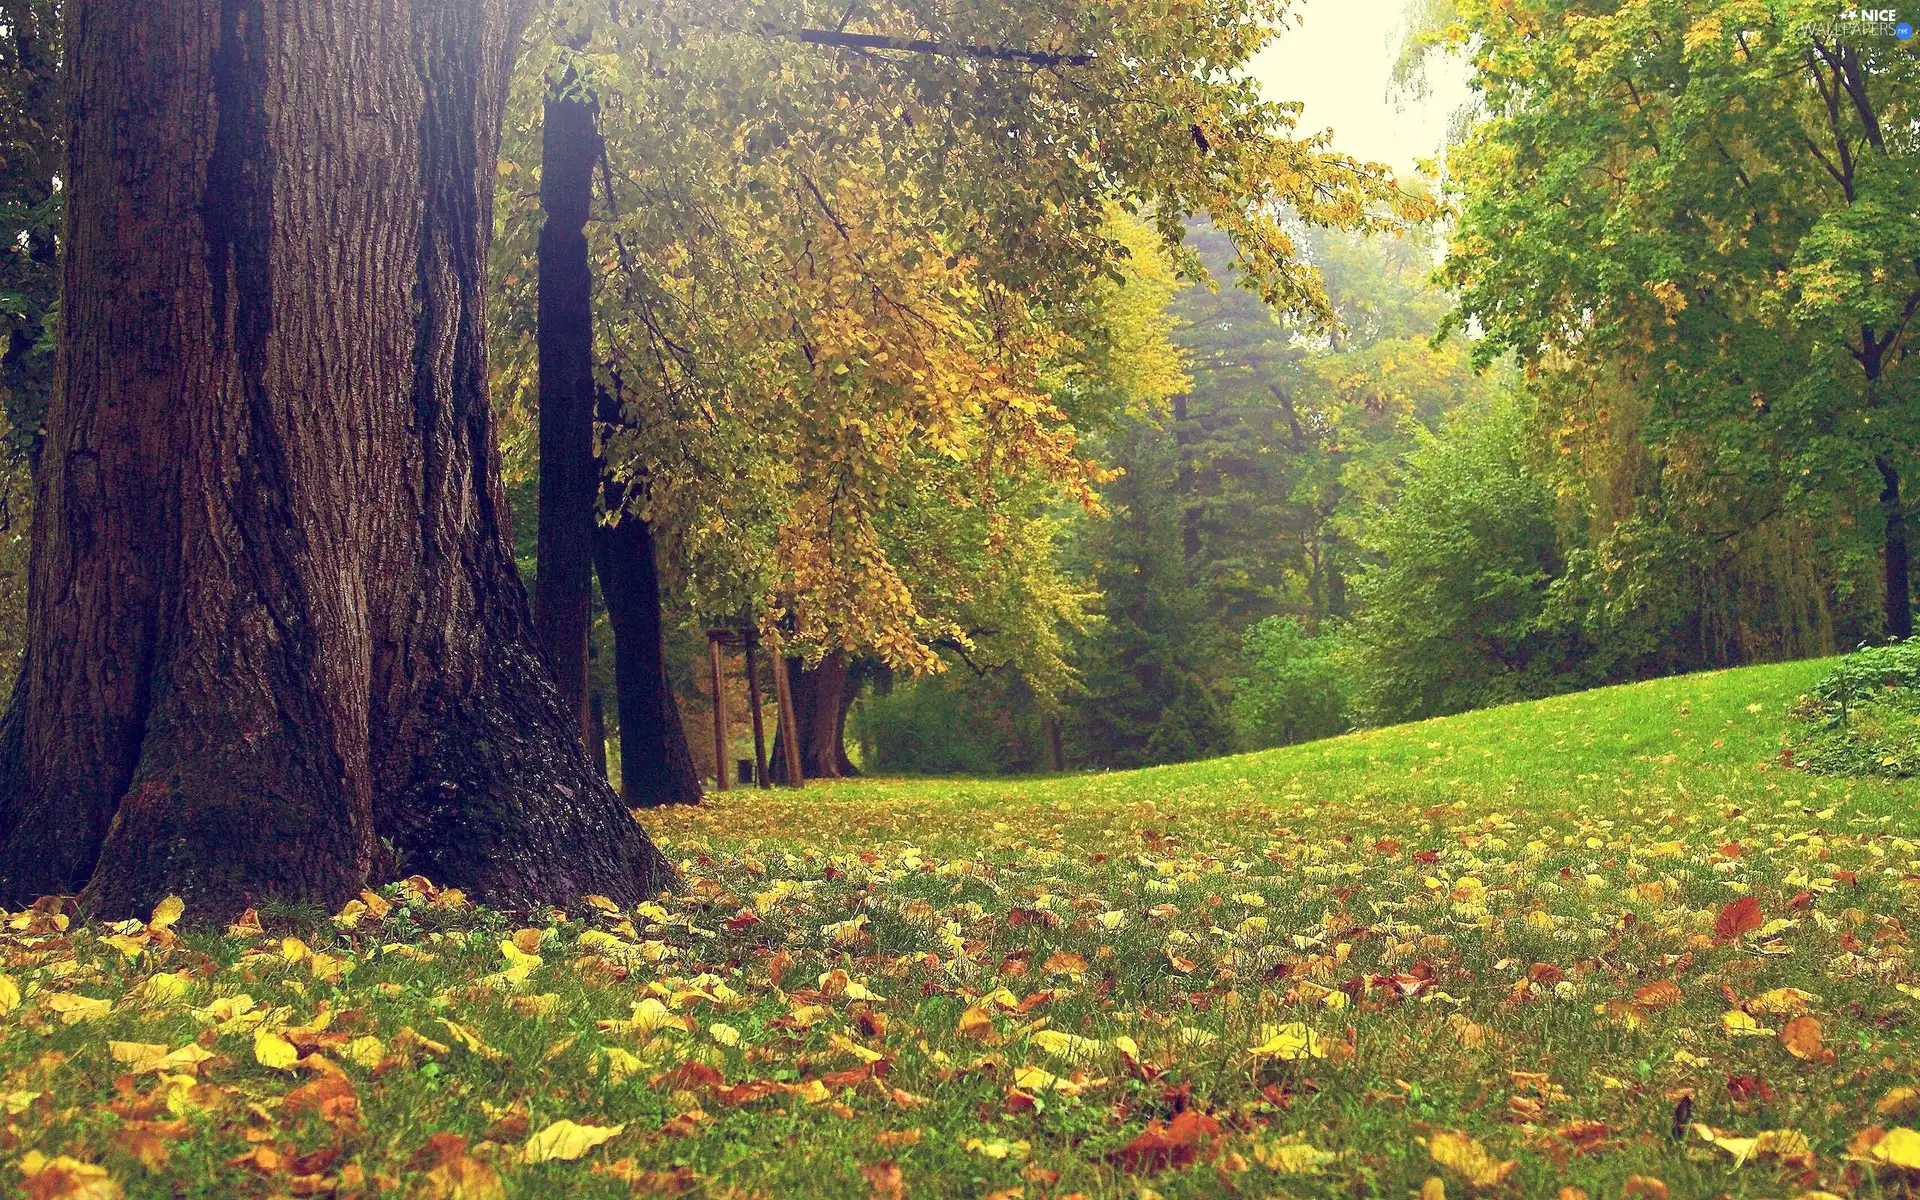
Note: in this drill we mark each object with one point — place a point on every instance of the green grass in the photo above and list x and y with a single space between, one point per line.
1462 912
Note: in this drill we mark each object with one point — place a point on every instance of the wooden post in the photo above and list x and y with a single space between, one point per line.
719 713
753 702
789 728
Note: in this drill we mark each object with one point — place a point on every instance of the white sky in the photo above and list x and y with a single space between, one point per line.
1337 56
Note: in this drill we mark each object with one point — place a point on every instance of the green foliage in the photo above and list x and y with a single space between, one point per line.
1146 668
1294 689
1863 717
1707 205
957 723
1457 612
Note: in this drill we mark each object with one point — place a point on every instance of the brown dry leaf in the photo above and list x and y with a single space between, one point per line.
886 1180
1801 1037
144 1144
1644 1186
1461 1152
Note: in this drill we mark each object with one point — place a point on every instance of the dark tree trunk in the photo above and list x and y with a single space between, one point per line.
569 476
656 764
1899 557
821 699
597 732
273 615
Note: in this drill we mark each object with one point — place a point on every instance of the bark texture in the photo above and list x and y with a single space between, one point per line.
656 764
273 615
821 698
569 476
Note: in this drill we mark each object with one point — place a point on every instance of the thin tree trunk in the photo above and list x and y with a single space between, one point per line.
1899 558
656 763
820 703
597 732
273 613
569 476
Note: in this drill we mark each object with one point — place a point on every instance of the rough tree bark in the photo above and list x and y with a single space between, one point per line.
273 615
656 764
821 699
569 476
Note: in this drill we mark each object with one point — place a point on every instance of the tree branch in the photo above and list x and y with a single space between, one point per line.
874 41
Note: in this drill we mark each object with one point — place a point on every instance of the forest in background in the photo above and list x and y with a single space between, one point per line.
1553 437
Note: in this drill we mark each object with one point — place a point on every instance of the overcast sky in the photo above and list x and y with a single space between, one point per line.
1337 56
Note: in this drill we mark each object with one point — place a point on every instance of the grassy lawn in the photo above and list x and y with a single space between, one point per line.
1561 944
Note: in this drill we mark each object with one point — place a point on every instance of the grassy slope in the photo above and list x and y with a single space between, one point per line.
1570 853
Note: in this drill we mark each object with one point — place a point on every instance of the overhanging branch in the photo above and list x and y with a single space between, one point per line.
875 41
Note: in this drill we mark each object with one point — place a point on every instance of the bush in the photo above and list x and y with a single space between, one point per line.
1863 717
950 725
1293 691
1455 613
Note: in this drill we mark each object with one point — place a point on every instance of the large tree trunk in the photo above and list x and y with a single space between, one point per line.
273 614
821 699
1899 558
656 764
569 476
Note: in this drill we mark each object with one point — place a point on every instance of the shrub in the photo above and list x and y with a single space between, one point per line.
1293 690
1863 717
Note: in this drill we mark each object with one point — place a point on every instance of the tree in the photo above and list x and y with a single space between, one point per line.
274 623
1717 198
569 475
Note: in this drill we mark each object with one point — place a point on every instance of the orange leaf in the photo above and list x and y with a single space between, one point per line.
1175 1143
886 1180
1801 1037
1661 993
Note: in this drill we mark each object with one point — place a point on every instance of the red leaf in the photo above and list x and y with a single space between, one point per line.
1737 918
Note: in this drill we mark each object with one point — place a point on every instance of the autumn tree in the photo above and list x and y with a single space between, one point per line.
838 266
276 643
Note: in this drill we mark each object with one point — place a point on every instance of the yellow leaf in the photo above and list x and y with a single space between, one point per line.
1069 1046
565 1141
1783 1002
272 1050
1464 1154
1291 1158
73 1009
161 989
167 912
976 1023
1739 1024
471 1040
366 1052
9 994
847 1045
1898 1102
1900 1148
1290 1042
622 1064
724 1034
66 1178
813 1092
137 1057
